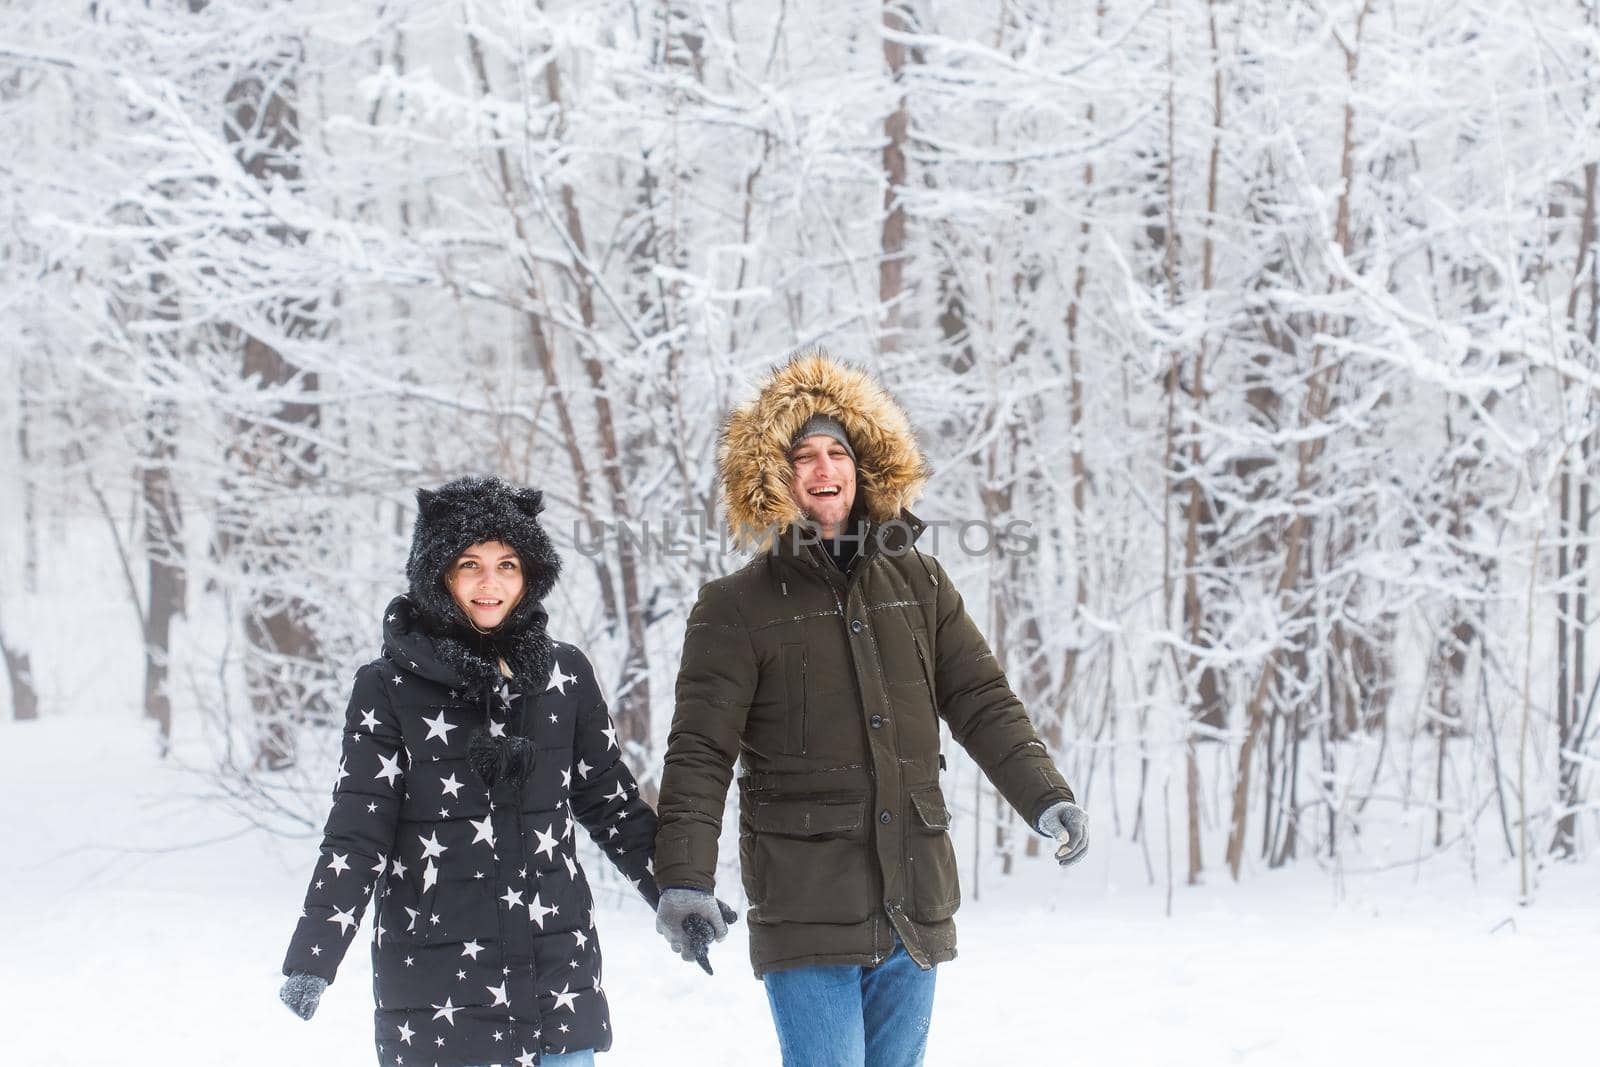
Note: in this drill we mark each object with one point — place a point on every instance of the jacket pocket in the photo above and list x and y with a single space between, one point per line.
794 687
400 911
460 910
931 858
812 861
925 660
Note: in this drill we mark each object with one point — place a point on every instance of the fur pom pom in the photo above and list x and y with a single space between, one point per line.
496 758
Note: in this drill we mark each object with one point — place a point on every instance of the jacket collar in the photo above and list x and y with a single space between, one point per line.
466 661
896 537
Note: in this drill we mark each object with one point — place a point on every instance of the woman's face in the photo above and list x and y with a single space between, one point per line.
486 581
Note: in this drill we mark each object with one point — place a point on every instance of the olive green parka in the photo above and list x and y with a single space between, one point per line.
828 687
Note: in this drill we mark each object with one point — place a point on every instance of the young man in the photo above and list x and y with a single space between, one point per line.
824 666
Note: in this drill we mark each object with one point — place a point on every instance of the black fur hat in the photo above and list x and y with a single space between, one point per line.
452 518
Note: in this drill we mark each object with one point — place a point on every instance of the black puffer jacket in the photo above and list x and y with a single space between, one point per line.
485 949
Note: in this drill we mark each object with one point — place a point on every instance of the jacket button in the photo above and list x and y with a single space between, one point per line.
877 722
855 626
884 816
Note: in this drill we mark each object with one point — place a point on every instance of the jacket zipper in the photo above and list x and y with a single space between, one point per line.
805 708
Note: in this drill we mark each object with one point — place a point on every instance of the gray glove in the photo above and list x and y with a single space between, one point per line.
686 916
1069 825
302 992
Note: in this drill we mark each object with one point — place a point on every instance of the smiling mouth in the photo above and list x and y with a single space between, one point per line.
486 603
827 490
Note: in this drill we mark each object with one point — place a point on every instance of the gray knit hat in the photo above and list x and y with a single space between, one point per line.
827 426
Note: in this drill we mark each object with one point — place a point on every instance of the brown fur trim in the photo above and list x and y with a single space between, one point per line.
753 457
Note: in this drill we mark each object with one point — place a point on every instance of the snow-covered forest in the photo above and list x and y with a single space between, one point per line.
1267 330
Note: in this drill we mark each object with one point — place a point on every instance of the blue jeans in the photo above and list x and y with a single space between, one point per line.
584 1058
844 1016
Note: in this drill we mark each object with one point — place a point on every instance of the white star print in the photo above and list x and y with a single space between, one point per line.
559 680
343 774
398 868
547 843
431 846
405 1032
512 897
446 1011
345 919
450 785
610 733
338 862
438 727
372 808
397 679
565 998
381 866
316 950
485 828
369 719
430 875
566 778
583 769
619 793
497 729
537 911
471 948
390 769
583 938
572 868
526 1059
499 992
439 1042
411 927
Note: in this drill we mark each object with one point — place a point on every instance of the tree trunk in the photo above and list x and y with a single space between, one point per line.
262 125
891 267
1572 717
19 669
166 581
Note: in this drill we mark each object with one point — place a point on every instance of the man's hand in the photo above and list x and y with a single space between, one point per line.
1069 825
302 992
690 919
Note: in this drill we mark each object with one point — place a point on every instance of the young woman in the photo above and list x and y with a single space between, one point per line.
472 747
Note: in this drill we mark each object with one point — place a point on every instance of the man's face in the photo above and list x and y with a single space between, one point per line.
824 481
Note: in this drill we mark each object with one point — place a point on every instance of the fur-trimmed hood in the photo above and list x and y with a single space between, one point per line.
462 513
753 457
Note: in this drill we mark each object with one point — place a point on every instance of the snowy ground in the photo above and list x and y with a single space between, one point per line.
121 948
